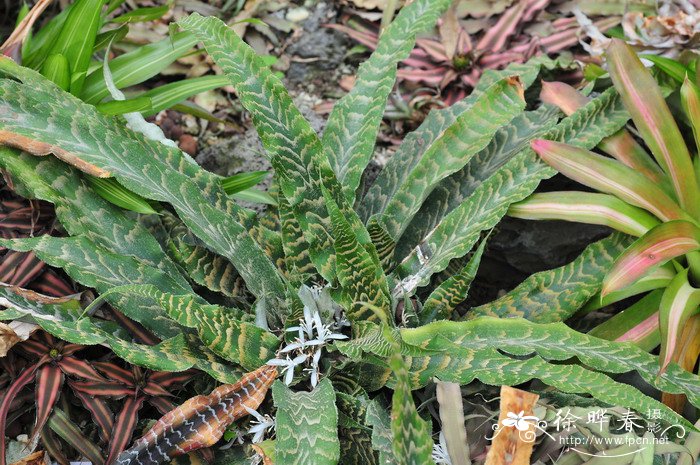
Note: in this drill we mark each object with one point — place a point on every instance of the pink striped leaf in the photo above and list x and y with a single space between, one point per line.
585 207
621 145
663 243
657 278
679 302
638 324
643 99
690 99
49 381
609 176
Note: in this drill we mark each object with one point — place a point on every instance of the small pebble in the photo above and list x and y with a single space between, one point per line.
297 15
188 144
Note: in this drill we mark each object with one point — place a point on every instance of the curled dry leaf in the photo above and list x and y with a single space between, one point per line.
14 332
12 45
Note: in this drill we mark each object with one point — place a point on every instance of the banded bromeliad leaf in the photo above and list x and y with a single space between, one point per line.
201 421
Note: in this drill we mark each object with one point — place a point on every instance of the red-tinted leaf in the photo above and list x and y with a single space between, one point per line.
34 347
661 244
101 414
20 268
608 175
124 427
79 369
162 404
25 378
679 302
51 445
102 388
167 379
66 429
116 372
70 349
642 97
50 283
153 389
137 330
49 381
496 37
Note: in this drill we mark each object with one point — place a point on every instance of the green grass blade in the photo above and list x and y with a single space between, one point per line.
242 181
77 39
169 95
57 70
137 66
115 193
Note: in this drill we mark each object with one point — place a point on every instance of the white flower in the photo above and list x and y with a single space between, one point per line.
314 368
260 425
289 365
440 454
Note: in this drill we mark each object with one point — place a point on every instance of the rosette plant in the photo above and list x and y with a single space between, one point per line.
649 192
348 296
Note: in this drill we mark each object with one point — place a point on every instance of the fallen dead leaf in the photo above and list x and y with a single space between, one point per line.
37 458
14 332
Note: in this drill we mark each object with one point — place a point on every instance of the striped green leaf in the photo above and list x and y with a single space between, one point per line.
451 292
306 425
492 350
451 151
294 148
361 278
555 295
412 444
460 229
194 193
352 128
437 122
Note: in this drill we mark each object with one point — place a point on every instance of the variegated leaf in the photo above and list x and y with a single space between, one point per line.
460 229
555 295
352 128
492 350
306 425
170 175
411 444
